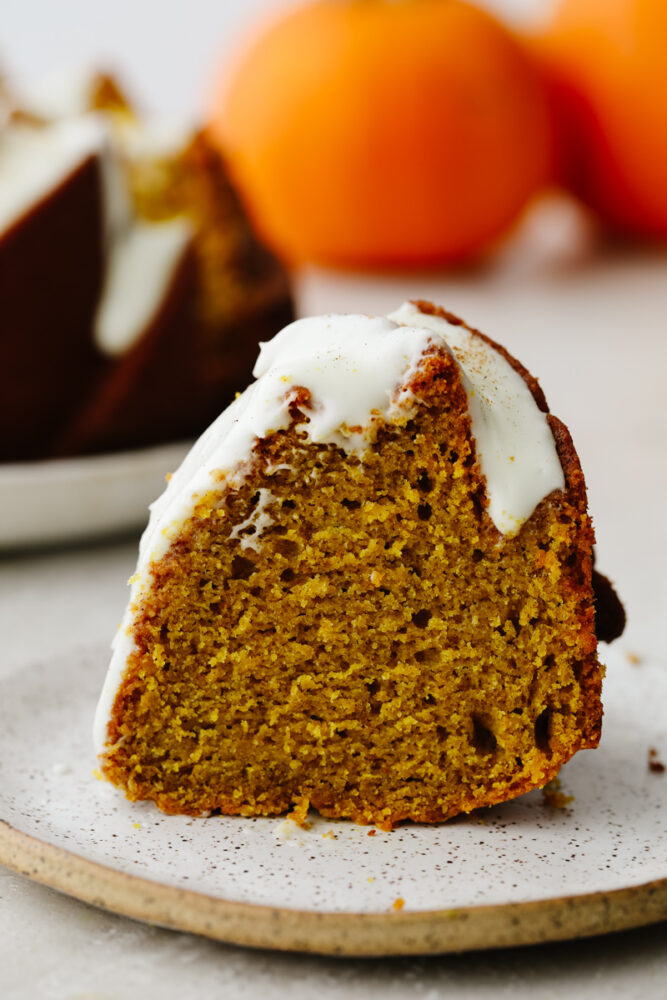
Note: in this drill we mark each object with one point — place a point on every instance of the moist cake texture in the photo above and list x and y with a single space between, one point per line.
383 613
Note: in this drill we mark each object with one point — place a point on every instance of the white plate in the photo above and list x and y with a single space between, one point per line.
75 498
516 873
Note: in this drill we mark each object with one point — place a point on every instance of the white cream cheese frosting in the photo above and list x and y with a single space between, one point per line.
141 263
357 370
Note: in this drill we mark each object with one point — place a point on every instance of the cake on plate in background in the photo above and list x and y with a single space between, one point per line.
133 291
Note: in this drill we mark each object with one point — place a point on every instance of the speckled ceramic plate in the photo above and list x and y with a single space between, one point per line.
70 499
528 871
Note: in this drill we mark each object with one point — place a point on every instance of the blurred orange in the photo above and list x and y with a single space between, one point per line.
607 63
367 132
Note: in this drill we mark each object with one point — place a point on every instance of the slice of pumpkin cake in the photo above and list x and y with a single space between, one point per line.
368 588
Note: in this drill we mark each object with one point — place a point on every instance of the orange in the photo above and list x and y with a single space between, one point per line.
372 132
607 61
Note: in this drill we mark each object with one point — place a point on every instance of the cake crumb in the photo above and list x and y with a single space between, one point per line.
655 765
371 833
329 835
299 813
554 797
398 904
137 826
97 774
370 879
634 659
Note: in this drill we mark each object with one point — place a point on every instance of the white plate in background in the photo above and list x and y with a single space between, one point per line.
71 499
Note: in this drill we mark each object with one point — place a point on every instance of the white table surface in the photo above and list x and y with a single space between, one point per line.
592 327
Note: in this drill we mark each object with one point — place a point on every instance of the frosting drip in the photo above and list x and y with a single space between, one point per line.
515 447
141 264
350 365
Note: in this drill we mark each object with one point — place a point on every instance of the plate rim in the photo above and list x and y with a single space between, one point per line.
390 933
90 496
74 466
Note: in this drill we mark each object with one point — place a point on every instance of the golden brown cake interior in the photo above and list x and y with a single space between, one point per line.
368 642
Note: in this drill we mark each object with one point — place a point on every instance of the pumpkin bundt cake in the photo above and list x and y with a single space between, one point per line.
368 588
132 288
